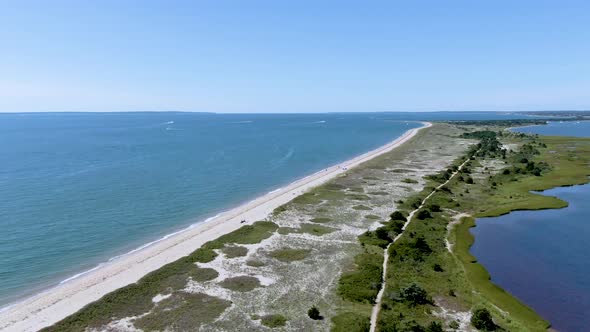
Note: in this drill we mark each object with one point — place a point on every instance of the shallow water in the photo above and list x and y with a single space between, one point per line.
541 257
556 128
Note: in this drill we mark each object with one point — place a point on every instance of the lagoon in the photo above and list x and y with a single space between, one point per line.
541 257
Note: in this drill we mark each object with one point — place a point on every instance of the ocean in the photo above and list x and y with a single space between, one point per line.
541 257
77 189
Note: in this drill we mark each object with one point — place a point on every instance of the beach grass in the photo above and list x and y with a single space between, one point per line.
290 254
234 251
241 283
273 321
182 312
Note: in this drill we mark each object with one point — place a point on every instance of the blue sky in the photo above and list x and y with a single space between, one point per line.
294 56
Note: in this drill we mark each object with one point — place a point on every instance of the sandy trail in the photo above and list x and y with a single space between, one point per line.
65 299
456 220
377 306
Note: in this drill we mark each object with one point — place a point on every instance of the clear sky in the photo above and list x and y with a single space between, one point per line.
294 56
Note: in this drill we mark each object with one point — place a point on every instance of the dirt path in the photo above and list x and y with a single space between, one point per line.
456 220
377 306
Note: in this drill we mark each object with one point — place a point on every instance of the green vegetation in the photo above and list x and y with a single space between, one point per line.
136 299
314 313
289 254
241 283
408 180
351 322
307 228
317 230
482 320
249 234
363 283
235 251
273 320
456 280
182 312
255 263
321 219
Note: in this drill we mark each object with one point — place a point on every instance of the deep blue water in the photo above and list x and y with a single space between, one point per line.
556 128
79 188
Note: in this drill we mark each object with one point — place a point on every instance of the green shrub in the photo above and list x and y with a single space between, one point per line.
289 254
397 215
273 320
362 284
435 327
235 251
423 214
241 283
414 295
314 313
482 320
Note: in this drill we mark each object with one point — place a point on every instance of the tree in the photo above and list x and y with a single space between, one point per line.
414 294
382 233
422 246
423 214
482 320
434 327
397 216
469 180
314 313
437 267
434 208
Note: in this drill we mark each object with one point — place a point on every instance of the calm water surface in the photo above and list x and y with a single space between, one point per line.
556 128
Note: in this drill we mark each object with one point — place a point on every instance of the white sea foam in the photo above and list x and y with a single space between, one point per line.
274 191
81 274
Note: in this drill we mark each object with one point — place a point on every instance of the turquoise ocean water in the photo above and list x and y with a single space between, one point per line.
77 189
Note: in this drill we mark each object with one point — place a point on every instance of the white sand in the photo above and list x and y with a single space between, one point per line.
61 301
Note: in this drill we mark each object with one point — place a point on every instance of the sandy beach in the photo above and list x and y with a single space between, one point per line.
61 301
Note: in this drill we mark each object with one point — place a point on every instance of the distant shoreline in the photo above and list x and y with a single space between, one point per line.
75 292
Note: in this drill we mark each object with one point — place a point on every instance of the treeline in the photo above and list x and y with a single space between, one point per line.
502 123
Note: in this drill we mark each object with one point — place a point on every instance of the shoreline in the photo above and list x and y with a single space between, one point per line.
73 293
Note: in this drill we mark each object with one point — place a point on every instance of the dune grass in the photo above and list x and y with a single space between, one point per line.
290 254
241 283
136 299
274 320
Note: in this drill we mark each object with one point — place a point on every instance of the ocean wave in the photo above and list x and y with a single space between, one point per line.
273 191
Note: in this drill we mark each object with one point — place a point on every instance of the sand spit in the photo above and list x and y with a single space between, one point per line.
61 301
